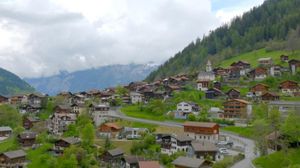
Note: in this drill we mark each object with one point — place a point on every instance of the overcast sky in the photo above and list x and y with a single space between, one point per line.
41 38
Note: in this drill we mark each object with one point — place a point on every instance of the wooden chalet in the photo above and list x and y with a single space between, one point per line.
233 94
259 89
269 96
237 108
28 122
27 138
15 158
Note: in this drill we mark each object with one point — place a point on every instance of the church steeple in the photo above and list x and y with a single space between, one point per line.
208 66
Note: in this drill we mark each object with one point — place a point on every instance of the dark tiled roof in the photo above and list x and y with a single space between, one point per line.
15 154
115 152
204 146
72 140
27 135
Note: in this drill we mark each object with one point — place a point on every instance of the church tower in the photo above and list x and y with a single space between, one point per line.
208 66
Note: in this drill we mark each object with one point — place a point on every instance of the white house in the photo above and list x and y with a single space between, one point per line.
100 113
206 76
215 112
136 97
186 108
202 85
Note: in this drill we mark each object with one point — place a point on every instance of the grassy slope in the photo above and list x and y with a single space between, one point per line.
241 131
253 56
279 159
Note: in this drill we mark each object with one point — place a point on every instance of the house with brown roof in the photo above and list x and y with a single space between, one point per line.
213 93
259 89
258 73
27 138
202 149
243 66
202 131
15 158
113 158
269 96
233 94
28 122
237 108
133 161
111 130
3 99
149 164
289 87
61 144
188 162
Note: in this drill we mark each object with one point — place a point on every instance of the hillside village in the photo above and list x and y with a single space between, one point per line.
187 120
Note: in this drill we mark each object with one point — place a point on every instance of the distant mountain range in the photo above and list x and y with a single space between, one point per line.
11 84
95 78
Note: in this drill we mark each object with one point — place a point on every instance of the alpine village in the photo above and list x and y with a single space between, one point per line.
231 99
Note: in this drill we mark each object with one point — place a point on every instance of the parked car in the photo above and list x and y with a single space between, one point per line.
223 151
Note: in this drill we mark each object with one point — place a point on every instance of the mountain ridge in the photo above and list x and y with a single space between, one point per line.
94 78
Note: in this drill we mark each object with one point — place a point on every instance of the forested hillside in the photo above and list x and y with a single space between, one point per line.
11 84
273 26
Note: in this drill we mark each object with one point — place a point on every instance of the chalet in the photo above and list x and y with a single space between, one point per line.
132 161
215 112
149 164
65 95
28 122
233 94
203 85
94 93
275 70
265 61
237 108
202 131
27 139
136 97
172 88
77 108
243 66
202 149
285 106
99 113
289 87
258 73
269 96
36 99
61 119
17 99
29 108
259 89
212 93
294 64
15 158
165 142
217 85
284 58
106 96
221 71
78 99
188 162
3 99
234 73
126 99
134 85
180 142
186 108
5 131
206 76
113 157
111 130
63 143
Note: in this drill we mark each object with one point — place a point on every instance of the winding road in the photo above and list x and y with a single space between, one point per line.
248 144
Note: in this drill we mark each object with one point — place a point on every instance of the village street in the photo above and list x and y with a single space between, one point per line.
246 143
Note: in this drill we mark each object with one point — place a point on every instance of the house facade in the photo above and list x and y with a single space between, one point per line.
186 108
289 87
15 158
136 97
237 108
202 131
99 113
259 89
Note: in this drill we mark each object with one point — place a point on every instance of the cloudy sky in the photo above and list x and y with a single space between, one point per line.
41 38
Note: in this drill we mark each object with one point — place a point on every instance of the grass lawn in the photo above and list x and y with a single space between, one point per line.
279 159
134 111
124 145
136 124
253 56
9 144
242 131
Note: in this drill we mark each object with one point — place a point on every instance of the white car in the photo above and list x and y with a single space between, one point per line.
223 151
222 143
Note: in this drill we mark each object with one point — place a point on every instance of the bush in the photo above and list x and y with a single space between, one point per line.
229 161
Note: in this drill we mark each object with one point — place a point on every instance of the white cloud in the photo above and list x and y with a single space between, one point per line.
41 38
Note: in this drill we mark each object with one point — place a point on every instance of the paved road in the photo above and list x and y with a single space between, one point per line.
248 144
